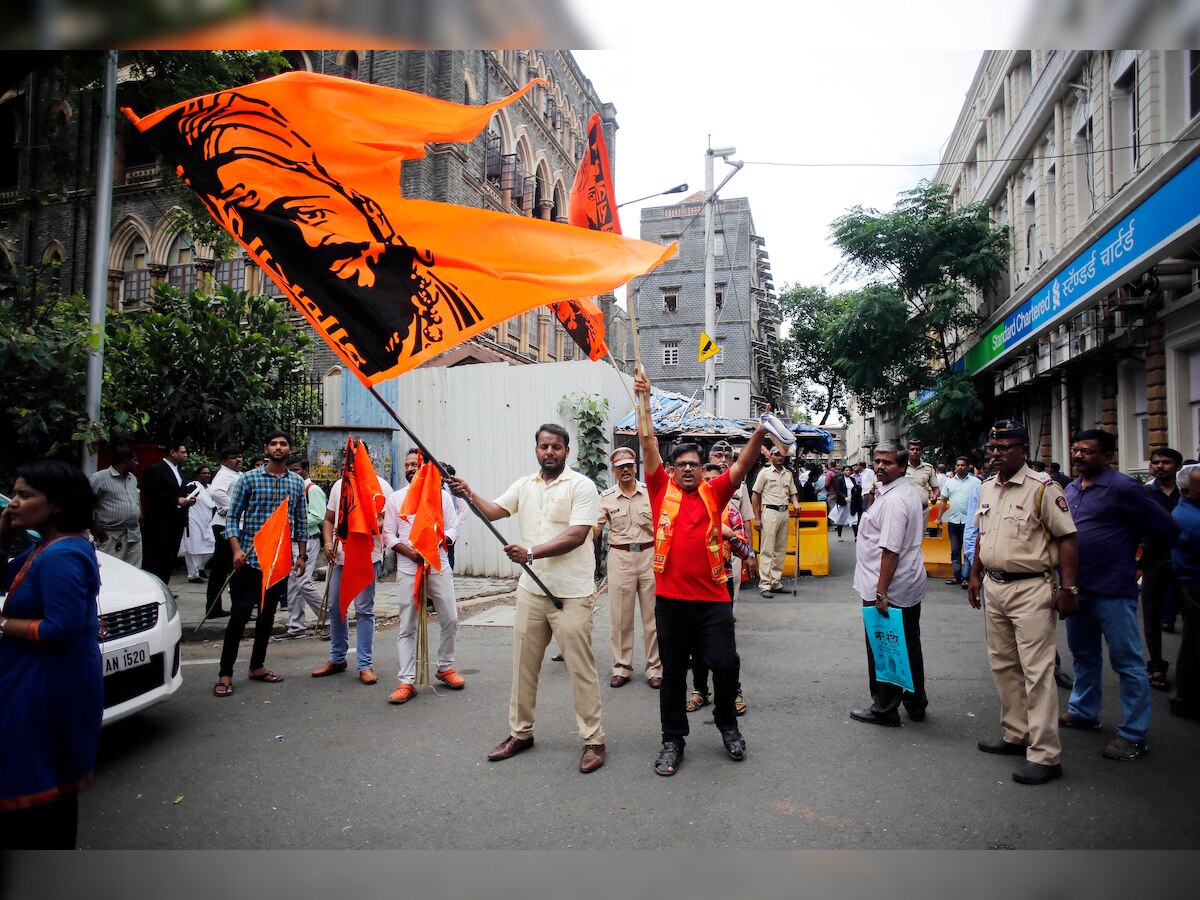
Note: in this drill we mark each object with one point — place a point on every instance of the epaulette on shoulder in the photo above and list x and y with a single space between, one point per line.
1044 478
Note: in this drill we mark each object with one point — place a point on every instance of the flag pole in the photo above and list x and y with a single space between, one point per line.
612 360
208 611
637 354
471 503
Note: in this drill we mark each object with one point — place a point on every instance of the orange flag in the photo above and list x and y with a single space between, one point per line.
304 171
590 206
273 546
423 502
359 507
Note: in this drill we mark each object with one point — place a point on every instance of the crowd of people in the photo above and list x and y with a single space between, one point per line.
1028 545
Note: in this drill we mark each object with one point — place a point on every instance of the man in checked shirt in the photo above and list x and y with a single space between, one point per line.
254 498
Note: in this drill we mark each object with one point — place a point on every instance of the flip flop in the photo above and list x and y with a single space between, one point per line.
268 676
222 689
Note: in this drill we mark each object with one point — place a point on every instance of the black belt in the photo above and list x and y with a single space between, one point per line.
776 508
632 548
1003 577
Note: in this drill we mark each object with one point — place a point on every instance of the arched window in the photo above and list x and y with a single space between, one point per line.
298 60
331 396
181 263
231 272
135 284
349 63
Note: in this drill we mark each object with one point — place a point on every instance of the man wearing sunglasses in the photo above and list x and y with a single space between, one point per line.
1025 534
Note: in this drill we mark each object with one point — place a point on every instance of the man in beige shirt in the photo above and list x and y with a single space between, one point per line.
557 508
1025 533
625 508
773 490
921 477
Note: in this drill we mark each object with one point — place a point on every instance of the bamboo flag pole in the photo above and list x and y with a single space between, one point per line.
637 353
423 628
216 600
632 399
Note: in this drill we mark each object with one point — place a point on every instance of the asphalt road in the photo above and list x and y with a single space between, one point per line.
329 764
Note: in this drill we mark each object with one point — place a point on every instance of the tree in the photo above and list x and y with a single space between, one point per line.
897 341
805 354
208 368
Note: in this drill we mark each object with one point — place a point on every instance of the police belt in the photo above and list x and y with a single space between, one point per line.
776 508
1002 577
632 548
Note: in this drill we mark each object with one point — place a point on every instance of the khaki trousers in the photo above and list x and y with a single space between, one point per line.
1020 641
571 626
772 547
630 583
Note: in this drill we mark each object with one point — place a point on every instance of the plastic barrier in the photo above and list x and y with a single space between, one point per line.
813 526
935 548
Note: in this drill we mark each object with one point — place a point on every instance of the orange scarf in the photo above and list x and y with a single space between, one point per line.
665 532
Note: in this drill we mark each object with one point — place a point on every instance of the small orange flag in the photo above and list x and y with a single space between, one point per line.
273 545
423 504
304 171
357 522
591 204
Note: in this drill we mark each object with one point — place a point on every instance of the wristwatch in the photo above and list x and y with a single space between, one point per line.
529 550
879 596
303 556
1073 589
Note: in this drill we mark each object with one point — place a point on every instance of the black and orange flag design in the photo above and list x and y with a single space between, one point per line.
590 206
304 171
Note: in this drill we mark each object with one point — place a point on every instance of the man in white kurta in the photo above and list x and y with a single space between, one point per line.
439 589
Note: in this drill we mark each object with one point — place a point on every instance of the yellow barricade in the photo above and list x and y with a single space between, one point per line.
936 548
813 527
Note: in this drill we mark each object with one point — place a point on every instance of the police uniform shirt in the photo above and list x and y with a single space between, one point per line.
775 488
922 479
628 518
1011 534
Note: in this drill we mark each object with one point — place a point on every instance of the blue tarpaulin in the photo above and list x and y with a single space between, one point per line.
677 416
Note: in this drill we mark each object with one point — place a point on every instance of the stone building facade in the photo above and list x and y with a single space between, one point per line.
670 307
1092 160
523 164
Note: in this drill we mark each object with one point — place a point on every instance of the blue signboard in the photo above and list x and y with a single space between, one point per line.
1160 218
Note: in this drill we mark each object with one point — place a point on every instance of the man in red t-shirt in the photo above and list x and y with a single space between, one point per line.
692 609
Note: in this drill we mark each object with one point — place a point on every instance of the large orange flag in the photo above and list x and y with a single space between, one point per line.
591 205
359 507
423 502
273 546
304 171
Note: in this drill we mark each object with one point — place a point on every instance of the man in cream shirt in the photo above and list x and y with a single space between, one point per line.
556 509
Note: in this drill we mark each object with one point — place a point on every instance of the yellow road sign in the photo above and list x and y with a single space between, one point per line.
708 347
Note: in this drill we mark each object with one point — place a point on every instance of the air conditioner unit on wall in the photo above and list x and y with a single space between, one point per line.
1022 275
1043 255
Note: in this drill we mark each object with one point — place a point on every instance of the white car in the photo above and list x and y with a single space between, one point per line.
140 633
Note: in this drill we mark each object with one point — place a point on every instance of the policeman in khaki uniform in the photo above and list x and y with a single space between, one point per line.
625 507
1025 532
921 477
773 489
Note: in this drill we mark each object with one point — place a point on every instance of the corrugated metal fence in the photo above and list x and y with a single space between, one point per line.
482 420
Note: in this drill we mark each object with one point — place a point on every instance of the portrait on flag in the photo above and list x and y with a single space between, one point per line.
303 170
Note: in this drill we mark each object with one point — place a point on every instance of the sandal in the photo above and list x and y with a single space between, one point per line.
739 705
223 689
268 676
670 758
1158 681
696 701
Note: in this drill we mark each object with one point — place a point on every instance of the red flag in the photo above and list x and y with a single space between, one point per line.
590 206
357 522
273 546
304 171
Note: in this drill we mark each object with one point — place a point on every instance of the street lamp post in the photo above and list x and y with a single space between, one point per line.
710 288
678 189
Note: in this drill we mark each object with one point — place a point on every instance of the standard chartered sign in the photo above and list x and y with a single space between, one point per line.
1159 219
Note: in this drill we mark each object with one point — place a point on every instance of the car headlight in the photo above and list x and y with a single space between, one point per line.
169 600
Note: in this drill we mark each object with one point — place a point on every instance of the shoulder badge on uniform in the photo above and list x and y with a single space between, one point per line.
1061 502
1044 478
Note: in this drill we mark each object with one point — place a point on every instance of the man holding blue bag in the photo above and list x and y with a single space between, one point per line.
889 576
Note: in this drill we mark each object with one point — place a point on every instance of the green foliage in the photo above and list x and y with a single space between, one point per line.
897 338
204 367
43 358
805 354
589 412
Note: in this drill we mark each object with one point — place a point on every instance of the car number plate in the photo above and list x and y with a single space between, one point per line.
126 658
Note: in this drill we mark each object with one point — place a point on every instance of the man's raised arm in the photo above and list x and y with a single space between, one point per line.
651 460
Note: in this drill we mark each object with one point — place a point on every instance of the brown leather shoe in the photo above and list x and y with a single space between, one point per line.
654 681
367 676
592 759
330 668
618 681
510 747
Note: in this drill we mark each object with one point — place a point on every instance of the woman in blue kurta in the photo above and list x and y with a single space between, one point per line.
51 675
